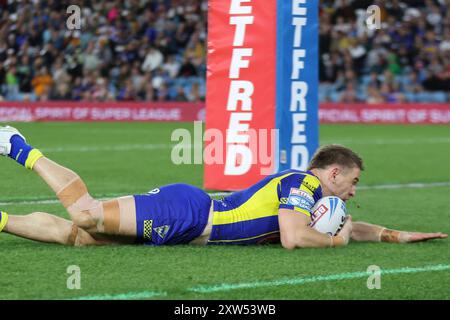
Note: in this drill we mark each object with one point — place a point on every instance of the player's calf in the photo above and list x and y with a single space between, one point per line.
44 227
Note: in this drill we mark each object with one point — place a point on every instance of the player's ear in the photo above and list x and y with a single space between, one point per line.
334 172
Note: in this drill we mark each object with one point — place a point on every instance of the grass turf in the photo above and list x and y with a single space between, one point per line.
127 158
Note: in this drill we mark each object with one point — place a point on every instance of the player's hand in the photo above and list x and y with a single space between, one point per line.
419 236
346 230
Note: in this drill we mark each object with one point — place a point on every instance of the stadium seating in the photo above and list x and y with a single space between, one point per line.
153 50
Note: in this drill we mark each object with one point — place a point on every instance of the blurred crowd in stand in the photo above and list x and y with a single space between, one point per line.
155 50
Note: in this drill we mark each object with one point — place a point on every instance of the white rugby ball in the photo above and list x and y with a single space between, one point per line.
328 215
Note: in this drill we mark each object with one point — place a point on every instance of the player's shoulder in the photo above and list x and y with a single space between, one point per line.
305 178
298 174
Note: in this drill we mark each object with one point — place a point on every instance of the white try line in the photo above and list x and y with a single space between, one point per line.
207 289
418 185
125 147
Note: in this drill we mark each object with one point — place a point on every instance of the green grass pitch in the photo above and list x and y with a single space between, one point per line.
126 158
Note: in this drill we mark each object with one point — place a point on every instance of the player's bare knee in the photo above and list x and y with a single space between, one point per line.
83 219
96 216
87 213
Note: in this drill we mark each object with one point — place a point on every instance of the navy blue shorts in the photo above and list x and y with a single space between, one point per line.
172 214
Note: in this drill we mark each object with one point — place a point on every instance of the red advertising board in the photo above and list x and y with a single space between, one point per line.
406 113
100 111
240 92
394 113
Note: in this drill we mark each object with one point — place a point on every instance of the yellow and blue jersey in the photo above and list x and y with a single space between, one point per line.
250 216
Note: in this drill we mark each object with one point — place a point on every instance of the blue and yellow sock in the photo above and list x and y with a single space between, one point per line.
23 153
3 220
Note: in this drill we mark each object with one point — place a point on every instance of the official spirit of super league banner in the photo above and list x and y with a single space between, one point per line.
262 82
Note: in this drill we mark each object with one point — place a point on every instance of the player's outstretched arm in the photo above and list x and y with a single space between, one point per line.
295 232
363 231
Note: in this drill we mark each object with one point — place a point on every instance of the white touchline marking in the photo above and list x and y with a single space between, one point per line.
311 279
413 185
272 283
124 296
108 148
435 140
151 146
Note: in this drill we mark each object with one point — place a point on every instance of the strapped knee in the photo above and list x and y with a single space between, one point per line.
72 192
104 216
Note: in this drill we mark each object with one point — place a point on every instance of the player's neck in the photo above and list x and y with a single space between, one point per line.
322 176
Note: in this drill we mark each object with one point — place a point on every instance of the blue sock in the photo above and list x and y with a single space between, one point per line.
23 153
19 149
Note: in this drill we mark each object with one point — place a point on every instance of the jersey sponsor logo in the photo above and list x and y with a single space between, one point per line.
294 200
301 199
309 186
148 229
301 193
162 230
299 202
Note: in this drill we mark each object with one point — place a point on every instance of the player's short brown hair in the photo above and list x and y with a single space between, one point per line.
335 154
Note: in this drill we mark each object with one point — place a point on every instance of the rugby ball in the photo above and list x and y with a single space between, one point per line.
328 215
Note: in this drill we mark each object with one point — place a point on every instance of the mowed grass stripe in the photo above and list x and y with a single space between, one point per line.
312 279
272 283
413 185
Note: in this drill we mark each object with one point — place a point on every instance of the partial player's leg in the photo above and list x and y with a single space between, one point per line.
112 217
44 227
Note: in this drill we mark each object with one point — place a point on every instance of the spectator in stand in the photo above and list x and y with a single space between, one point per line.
153 60
180 95
61 92
374 96
12 83
25 74
187 69
171 66
42 84
195 94
349 94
